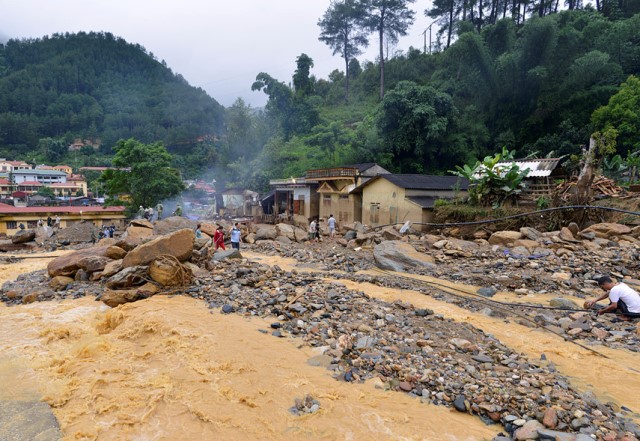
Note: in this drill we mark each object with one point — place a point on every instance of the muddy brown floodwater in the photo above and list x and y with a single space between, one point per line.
168 368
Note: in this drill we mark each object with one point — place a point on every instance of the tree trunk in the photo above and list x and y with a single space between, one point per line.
450 24
479 14
585 179
346 77
381 34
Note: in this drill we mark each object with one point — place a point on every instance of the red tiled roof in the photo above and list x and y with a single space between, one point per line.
10 209
63 184
32 183
4 181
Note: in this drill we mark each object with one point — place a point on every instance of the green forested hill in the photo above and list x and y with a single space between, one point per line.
95 86
530 86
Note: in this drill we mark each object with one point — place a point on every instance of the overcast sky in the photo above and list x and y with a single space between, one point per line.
218 45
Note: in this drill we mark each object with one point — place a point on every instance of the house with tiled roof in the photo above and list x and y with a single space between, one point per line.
392 199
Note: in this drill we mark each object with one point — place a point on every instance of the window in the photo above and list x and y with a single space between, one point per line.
326 200
12 225
374 210
32 224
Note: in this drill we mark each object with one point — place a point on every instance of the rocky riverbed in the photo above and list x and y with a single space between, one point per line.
324 295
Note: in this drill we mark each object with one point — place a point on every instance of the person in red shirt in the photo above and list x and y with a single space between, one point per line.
218 238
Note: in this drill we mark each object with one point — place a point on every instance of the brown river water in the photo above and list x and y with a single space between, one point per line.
168 368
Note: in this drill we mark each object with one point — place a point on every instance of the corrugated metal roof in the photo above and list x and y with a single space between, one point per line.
538 168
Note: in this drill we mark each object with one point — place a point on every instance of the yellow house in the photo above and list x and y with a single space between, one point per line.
11 217
395 199
63 168
335 187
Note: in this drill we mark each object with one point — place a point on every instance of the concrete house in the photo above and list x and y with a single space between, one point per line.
335 186
395 199
294 200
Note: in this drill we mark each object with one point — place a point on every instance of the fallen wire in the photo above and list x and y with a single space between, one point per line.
514 216
456 293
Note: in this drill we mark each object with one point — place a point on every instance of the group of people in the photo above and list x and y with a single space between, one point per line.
218 236
107 231
315 231
50 222
151 215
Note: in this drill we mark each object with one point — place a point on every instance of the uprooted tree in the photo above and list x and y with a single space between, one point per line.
601 144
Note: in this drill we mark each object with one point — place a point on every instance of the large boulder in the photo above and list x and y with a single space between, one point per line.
266 232
78 233
504 237
389 233
23 236
301 234
178 244
115 252
8 246
43 234
114 298
227 254
137 233
286 230
91 264
113 267
607 230
397 256
69 264
128 277
142 223
172 224
208 228
168 271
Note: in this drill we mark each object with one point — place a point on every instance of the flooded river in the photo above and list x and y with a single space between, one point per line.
168 368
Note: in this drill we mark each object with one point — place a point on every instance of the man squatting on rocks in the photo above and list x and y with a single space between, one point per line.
623 299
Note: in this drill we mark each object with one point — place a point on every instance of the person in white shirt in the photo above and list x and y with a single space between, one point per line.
332 226
623 299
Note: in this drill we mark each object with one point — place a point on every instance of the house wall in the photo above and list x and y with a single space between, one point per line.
30 220
384 203
342 206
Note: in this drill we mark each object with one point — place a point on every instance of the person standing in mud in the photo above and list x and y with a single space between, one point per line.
331 222
159 209
49 221
312 230
218 238
235 237
318 230
198 231
623 299
56 224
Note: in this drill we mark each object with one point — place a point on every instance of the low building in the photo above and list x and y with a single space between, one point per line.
6 188
395 199
10 166
294 200
46 177
11 217
335 186
64 168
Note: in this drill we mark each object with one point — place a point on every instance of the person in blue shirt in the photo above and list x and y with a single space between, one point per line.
235 236
198 231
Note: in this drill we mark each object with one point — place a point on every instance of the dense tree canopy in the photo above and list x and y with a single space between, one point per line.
145 173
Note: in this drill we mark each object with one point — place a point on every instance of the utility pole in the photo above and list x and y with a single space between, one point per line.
425 37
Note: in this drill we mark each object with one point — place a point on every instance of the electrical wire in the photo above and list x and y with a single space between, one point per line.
514 216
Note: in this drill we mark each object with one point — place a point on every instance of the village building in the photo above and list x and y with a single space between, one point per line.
64 168
6 188
293 200
11 217
46 177
335 186
10 166
390 199
541 175
240 202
